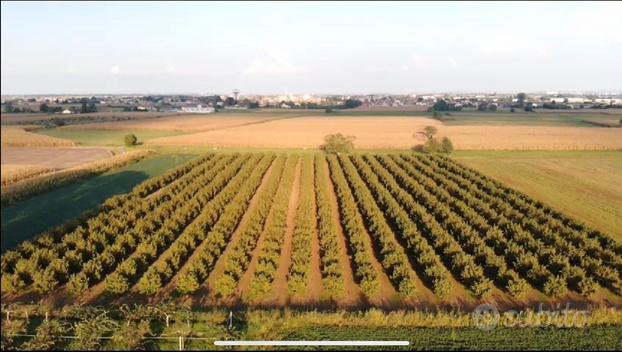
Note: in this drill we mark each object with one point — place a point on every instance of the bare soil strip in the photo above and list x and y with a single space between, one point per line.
387 296
94 294
279 294
53 158
247 277
352 295
315 288
220 265
170 287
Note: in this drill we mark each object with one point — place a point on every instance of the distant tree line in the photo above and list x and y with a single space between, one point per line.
12 109
443 105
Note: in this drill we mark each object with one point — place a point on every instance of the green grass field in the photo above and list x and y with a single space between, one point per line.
88 137
593 338
528 119
599 338
30 217
501 118
584 185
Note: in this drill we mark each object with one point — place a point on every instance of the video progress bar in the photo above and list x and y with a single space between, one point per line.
311 343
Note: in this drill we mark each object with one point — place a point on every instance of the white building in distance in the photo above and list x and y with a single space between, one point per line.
198 109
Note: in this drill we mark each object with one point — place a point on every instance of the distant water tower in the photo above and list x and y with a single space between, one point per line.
236 94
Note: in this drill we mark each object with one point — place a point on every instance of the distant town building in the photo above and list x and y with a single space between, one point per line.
199 109
236 107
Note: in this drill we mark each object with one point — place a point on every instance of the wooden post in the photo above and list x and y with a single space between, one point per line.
181 343
230 320
167 317
46 316
27 320
8 316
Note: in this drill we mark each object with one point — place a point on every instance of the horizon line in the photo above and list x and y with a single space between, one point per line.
325 94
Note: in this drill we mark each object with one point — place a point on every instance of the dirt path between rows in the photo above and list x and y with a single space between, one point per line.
386 295
220 265
315 288
352 295
170 287
280 295
246 279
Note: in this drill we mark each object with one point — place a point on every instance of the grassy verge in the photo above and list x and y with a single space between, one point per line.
27 187
161 329
92 137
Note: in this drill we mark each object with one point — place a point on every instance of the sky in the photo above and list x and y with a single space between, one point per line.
315 48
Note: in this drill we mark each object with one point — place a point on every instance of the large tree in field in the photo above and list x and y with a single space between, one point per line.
130 140
432 144
429 132
338 143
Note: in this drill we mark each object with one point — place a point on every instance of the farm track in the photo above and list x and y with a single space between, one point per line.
279 286
275 230
244 290
170 287
219 267
352 293
385 293
315 288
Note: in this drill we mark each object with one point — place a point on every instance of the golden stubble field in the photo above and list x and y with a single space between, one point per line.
373 132
28 155
12 173
183 123
23 163
52 158
13 136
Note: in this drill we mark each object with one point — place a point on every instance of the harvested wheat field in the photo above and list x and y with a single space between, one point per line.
309 132
533 138
12 173
24 185
182 123
374 132
20 137
53 158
